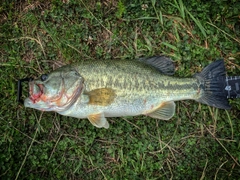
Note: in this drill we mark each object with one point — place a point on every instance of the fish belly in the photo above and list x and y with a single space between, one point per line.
120 107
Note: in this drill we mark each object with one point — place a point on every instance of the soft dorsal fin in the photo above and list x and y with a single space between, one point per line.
165 111
98 120
101 96
162 63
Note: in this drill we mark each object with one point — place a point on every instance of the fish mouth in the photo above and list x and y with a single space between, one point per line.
61 102
35 92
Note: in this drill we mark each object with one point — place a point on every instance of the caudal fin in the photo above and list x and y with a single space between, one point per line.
212 85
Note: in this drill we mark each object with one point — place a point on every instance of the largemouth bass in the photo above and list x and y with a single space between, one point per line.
115 88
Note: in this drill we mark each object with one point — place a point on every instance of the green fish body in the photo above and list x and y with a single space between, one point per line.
115 88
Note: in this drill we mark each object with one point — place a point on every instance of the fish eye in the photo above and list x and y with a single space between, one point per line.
76 73
44 77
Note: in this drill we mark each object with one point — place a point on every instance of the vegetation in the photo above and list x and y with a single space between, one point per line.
37 36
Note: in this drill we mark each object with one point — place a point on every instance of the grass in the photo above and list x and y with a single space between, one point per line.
37 36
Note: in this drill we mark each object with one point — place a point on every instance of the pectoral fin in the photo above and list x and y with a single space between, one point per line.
98 120
165 111
101 96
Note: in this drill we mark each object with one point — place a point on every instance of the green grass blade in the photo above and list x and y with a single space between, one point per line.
170 46
198 23
227 34
230 123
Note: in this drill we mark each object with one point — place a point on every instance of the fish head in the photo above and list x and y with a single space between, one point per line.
56 91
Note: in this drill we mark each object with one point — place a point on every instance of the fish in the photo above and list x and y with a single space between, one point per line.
97 89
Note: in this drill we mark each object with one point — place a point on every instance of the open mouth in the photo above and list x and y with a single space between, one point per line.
35 91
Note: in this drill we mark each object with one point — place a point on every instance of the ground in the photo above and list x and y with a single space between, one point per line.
37 36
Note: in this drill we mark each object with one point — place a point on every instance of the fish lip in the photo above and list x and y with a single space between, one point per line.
35 96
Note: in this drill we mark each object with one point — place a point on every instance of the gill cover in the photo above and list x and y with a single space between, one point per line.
56 91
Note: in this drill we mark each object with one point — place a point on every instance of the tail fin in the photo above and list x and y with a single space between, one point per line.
212 85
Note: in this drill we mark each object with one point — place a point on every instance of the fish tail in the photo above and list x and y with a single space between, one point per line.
212 83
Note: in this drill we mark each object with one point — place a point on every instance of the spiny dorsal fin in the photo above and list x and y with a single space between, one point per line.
101 97
162 63
98 120
165 111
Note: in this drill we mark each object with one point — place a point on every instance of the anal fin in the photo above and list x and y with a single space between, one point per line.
98 120
165 111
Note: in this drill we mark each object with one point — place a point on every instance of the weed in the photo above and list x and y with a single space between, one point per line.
37 36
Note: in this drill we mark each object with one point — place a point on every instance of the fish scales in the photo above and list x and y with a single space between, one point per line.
115 88
135 93
139 80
